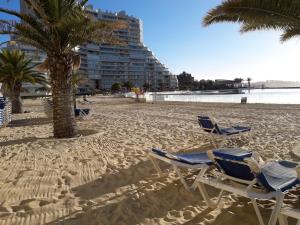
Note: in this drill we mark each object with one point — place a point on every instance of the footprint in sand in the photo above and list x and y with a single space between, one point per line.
67 180
72 172
29 204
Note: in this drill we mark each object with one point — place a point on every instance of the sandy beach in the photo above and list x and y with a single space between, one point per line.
104 177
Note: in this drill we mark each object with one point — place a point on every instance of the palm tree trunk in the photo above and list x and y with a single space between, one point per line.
16 101
64 125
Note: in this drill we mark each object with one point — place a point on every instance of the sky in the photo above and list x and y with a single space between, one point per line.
173 31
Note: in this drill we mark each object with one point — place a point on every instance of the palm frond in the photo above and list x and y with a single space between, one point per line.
57 26
290 33
257 14
15 69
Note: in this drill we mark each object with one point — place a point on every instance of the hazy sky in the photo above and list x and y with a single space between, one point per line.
173 31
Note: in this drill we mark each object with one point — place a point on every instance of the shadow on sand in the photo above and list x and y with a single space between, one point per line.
30 122
135 195
132 196
19 141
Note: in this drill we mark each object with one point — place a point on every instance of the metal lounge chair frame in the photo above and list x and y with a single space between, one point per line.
177 164
213 130
247 188
5 112
83 115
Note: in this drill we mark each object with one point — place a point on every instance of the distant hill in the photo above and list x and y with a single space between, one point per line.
275 84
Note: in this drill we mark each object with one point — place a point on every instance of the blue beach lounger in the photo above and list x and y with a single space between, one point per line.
256 180
82 113
211 127
195 161
5 111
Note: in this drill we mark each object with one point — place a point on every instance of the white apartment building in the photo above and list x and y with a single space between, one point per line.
132 61
106 64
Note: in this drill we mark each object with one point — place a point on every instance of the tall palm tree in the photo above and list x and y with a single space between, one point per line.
254 15
16 69
57 27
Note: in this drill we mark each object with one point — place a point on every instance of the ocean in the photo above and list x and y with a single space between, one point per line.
265 96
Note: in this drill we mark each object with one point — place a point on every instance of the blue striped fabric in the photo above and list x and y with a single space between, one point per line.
207 124
275 175
5 111
193 158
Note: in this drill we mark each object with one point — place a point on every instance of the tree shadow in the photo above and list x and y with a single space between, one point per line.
30 122
110 182
137 206
19 141
132 196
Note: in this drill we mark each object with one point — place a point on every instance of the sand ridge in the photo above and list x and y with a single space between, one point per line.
104 176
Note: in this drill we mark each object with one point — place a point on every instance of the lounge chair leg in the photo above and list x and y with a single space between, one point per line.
223 142
156 166
206 197
250 137
258 214
214 142
276 210
283 220
200 174
181 178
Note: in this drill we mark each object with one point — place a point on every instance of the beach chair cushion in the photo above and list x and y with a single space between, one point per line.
234 130
207 124
236 154
188 158
274 175
226 158
194 158
278 175
242 129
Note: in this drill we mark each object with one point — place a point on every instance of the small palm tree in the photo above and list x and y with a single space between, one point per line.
16 69
127 85
254 15
116 87
57 27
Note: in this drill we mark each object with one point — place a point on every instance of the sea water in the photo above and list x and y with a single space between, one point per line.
267 96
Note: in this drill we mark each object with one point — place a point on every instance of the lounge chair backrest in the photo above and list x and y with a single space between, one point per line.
5 111
231 162
208 124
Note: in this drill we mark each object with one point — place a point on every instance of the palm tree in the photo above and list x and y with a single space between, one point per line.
16 69
57 27
116 87
127 85
254 15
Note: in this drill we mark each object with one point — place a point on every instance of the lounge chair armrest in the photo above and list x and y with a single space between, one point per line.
256 156
298 171
210 155
254 165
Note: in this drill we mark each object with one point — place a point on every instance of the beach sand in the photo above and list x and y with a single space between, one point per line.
104 176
